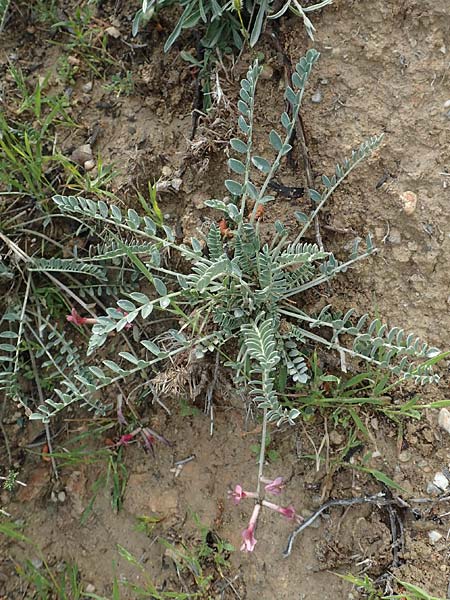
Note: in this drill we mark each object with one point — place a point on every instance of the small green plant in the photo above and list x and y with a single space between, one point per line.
4 5
10 481
85 40
29 161
370 591
121 85
344 397
151 206
228 23
45 581
45 11
200 564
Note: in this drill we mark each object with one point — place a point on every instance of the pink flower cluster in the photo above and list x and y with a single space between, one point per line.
273 486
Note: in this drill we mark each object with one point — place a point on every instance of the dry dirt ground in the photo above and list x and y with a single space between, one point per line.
384 67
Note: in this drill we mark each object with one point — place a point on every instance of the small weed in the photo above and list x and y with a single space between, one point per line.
188 410
61 583
147 524
200 566
272 455
67 71
117 477
45 11
345 397
4 5
150 205
121 85
113 480
29 162
370 591
86 40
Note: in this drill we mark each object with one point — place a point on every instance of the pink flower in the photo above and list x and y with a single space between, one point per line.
288 511
238 494
75 318
126 439
274 486
248 537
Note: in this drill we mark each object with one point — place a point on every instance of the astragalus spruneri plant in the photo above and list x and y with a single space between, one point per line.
241 298
242 293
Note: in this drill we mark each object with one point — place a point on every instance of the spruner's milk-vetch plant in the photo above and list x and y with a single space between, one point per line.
242 297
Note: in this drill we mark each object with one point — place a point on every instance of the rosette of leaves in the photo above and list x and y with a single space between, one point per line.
241 288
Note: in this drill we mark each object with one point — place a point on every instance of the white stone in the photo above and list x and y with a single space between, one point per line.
434 537
444 419
409 202
441 481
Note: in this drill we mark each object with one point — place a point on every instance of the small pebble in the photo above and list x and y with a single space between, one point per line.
87 87
395 236
89 165
434 537
441 481
62 496
336 438
113 32
267 72
409 201
404 456
90 588
317 97
82 154
73 60
444 419
447 104
432 490
36 562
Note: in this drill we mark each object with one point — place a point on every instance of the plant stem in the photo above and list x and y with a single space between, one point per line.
262 451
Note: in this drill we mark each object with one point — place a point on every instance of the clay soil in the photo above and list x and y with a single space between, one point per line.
384 67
